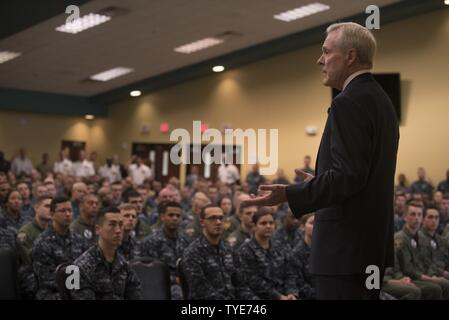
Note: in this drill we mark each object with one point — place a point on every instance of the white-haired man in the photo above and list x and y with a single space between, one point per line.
352 191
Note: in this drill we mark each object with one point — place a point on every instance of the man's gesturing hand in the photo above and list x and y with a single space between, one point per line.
304 175
275 195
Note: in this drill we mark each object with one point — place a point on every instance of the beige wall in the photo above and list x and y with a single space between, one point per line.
40 133
283 92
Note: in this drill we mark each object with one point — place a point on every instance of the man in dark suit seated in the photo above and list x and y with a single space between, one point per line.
352 192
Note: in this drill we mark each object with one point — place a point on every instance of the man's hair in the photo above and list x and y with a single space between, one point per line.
22 182
430 207
203 211
306 217
416 204
39 200
262 212
57 201
162 207
99 218
130 194
223 198
10 192
244 205
127 207
89 195
358 37
116 183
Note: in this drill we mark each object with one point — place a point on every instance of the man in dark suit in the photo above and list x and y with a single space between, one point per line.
352 191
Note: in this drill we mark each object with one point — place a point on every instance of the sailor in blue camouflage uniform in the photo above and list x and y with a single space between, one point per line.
84 225
12 217
208 264
129 247
54 246
267 268
167 243
7 237
104 272
289 234
301 259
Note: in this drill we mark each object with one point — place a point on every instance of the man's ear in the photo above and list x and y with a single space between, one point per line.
351 56
97 229
202 222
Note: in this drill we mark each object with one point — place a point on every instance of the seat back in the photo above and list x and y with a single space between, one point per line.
154 277
182 279
8 274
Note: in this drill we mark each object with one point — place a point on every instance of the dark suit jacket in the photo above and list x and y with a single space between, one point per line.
352 192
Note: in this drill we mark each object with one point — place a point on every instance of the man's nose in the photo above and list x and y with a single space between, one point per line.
319 61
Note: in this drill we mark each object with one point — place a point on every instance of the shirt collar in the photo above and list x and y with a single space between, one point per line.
352 76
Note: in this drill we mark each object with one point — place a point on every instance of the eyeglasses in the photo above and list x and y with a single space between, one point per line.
214 218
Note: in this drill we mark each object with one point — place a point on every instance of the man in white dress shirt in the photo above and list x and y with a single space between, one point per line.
65 165
83 168
139 171
110 171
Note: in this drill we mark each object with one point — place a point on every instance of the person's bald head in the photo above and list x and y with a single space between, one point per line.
167 194
79 189
199 201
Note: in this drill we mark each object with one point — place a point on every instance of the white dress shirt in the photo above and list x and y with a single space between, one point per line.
352 76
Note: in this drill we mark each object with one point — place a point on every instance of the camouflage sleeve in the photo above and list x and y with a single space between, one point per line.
305 290
44 268
243 292
148 248
7 238
426 259
405 261
199 286
85 291
24 246
388 275
290 276
133 288
251 273
445 248
27 281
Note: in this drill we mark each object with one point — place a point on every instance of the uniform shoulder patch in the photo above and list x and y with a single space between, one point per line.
232 241
398 243
189 231
87 234
21 237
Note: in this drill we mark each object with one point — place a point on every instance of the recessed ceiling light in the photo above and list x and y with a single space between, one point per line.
111 74
198 45
83 23
135 93
446 2
89 117
301 12
218 68
8 55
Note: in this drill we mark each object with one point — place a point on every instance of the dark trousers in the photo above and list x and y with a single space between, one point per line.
344 287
